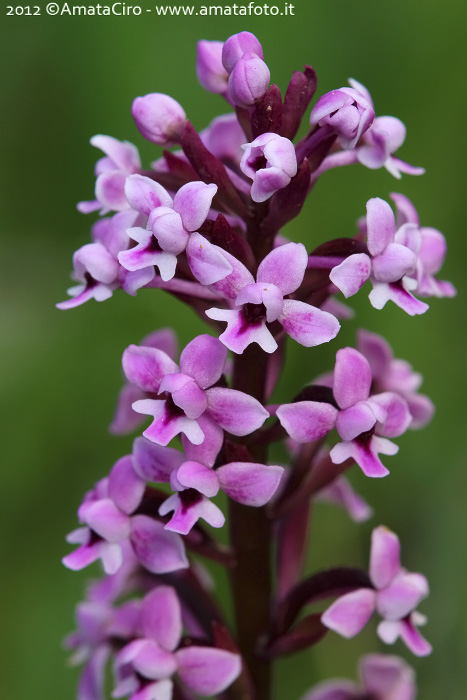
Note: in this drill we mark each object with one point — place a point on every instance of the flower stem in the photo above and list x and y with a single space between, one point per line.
250 534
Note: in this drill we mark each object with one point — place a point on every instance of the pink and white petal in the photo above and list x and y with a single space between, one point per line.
123 153
353 421
208 450
349 614
396 166
334 690
166 425
388 677
126 488
168 228
110 190
95 260
145 367
384 556
79 536
151 661
239 333
161 617
206 670
351 274
307 324
204 359
125 419
306 421
403 594
153 462
88 207
394 262
398 417
352 377
112 557
412 638
104 518
250 483
382 292
158 550
185 392
388 631
144 194
381 225
266 182
207 261
157 690
284 267
187 515
193 202
193 475
81 294
231 285
366 459
237 413
82 557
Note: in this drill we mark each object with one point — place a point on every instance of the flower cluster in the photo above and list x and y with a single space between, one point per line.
204 224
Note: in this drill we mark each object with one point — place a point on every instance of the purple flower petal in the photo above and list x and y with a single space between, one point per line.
167 425
236 412
352 378
104 518
187 513
207 261
306 421
185 392
110 190
239 333
412 638
126 487
388 677
342 494
193 475
238 44
365 455
144 194
207 671
353 421
349 614
384 556
193 202
376 350
153 462
351 274
91 683
146 367
382 292
395 262
231 285
161 617
250 483
285 267
150 661
204 359
334 690
158 551
307 324
208 450
398 415
125 419
402 596
381 225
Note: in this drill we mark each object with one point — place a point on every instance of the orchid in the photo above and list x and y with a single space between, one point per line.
205 224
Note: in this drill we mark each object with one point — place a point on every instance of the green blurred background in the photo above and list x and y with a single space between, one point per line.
67 78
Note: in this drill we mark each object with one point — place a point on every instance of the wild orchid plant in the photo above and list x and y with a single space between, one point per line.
203 224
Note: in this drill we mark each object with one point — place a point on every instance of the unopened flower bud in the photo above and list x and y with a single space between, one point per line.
159 118
349 112
238 45
249 80
209 69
